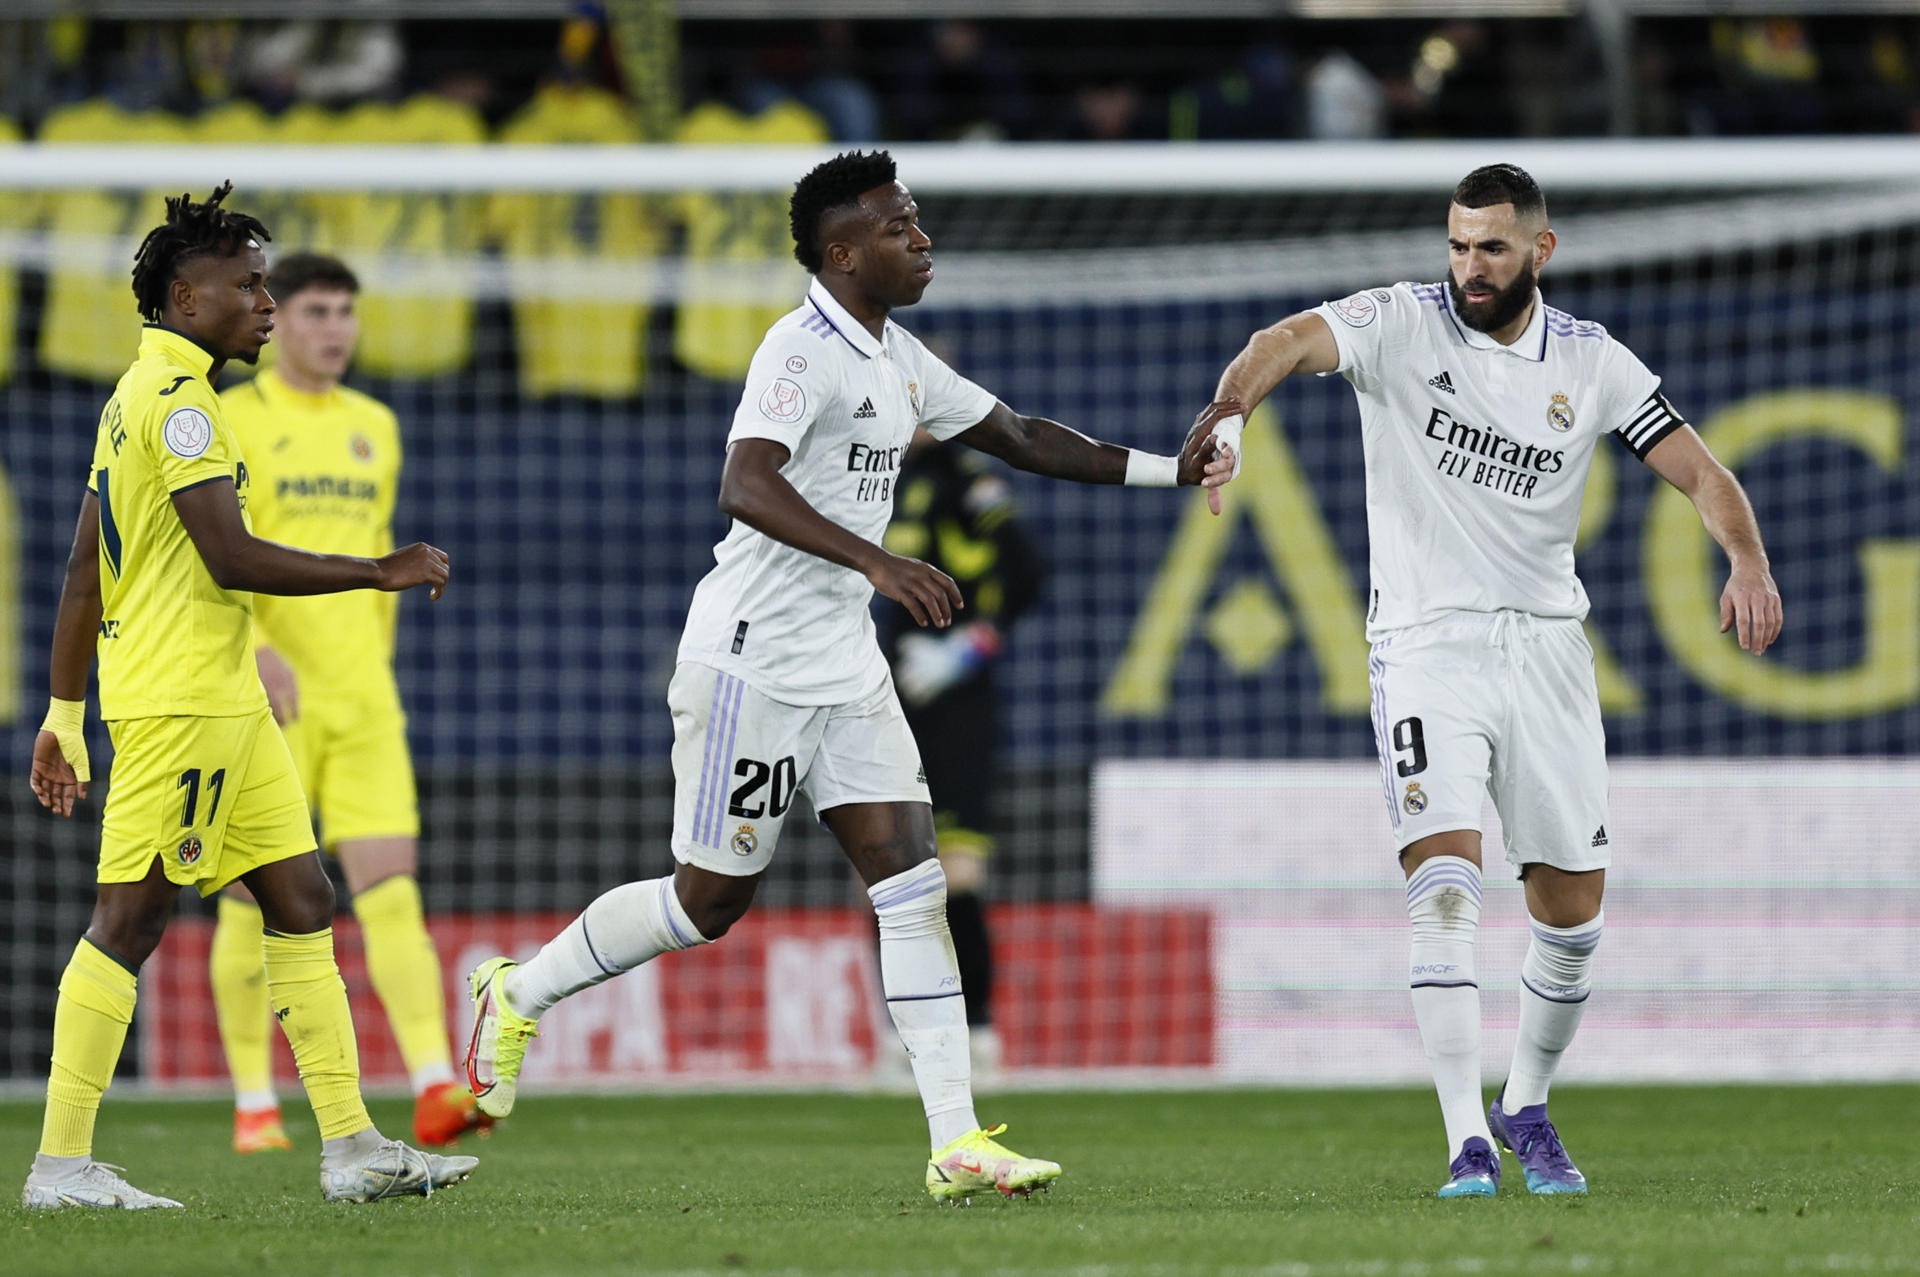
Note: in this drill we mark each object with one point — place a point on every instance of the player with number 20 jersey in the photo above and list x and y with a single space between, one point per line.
781 686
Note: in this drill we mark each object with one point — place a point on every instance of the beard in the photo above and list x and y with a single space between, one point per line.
1506 305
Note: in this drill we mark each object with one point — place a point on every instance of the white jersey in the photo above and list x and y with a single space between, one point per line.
793 625
1477 453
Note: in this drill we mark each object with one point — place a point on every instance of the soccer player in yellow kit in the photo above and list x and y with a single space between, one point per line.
325 463
159 586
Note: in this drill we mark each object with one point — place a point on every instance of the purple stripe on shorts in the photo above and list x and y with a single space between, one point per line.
726 760
1378 669
706 757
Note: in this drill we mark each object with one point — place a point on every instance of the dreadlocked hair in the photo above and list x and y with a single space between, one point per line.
837 183
191 230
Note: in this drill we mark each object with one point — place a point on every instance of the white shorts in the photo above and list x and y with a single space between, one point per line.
1501 703
739 757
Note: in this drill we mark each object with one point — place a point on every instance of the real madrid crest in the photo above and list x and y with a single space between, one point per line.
1416 799
745 841
913 397
1560 413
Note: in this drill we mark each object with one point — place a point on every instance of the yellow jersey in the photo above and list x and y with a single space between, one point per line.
325 471
16 214
588 342
86 322
172 642
717 338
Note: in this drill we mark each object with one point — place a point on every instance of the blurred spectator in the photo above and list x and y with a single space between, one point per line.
1344 100
1113 110
148 73
1256 98
1767 79
962 85
42 65
819 74
331 63
1455 87
1873 83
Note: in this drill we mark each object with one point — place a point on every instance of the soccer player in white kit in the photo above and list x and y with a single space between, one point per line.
781 687
1480 407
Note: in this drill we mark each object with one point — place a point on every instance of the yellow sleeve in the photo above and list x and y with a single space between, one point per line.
390 599
186 434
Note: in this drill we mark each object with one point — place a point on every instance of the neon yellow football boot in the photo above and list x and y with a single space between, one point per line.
499 1042
974 1164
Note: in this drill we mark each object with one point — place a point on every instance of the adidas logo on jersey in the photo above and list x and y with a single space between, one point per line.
1600 836
1442 382
865 411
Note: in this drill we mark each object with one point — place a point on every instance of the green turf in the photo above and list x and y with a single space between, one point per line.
1684 1181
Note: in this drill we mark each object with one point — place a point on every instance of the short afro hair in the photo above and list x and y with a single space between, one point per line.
297 272
836 184
1492 184
191 230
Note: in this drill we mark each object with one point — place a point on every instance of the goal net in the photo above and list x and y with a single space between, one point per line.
1191 875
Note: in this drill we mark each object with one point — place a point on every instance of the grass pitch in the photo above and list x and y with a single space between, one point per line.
1786 1179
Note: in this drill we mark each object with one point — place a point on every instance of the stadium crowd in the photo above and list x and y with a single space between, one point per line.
961 79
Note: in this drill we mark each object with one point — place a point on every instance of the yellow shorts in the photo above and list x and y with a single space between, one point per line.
354 765
214 798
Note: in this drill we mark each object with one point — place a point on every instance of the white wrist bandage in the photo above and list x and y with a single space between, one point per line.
1226 434
1150 470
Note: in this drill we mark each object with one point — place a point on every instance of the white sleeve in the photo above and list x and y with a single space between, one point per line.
1636 410
1367 326
789 384
947 403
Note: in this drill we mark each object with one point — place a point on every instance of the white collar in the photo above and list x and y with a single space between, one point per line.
1532 343
851 330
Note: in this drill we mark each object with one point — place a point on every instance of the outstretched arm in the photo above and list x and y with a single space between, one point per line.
1750 601
753 490
240 560
1298 343
1040 446
60 769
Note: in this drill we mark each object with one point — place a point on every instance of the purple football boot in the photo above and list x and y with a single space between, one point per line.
1529 1134
1476 1172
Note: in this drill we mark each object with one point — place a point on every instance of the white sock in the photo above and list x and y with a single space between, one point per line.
1443 902
921 977
1555 979
47 1168
344 1150
255 1101
627 926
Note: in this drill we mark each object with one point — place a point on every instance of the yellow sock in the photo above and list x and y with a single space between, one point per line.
405 972
310 1001
240 997
89 1027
